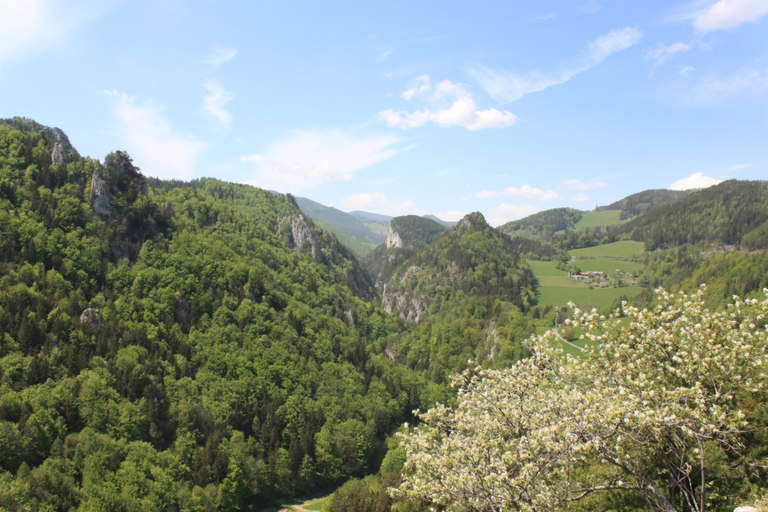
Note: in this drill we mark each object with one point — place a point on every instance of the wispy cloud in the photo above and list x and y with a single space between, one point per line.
31 27
686 69
215 100
377 202
746 81
737 167
452 105
219 55
508 212
574 184
661 52
695 180
158 149
308 158
485 194
729 14
581 198
506 86
529 192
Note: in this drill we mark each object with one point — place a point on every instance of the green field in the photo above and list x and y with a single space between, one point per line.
608 265
601 219
556 289
624 249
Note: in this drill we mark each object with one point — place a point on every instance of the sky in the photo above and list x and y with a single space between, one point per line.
503 107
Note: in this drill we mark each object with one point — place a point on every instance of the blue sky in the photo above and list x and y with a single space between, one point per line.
506 108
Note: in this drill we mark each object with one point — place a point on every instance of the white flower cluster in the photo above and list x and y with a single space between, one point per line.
651 389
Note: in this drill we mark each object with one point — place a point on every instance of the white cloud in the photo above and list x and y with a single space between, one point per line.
729 14
695 180
453 106
219 55
506 86
737 167
308 158
158 150
451 216
660 53
752 80
574 184
508 212
215 100
376 202
580 198
529 192
687 69
29 27
485 194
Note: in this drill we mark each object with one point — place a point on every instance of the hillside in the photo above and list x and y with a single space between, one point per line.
543 225
645 201
472 259
405 237
162 348
360 234
723 215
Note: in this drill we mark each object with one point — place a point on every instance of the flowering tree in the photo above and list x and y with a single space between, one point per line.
636 413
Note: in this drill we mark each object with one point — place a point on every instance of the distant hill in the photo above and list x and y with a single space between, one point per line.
645 201
471 258
723 214
440 221
542 226
406 236
371 216
361 234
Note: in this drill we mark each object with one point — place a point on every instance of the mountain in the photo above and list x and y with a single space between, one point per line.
406 236
440 221
377 217
722 214
360 234
645 201
167 345
471 259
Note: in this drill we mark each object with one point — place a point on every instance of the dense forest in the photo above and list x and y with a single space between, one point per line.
645 201
203 345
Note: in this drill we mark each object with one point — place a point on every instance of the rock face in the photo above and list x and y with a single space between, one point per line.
393 238
59 154
89 316
746 509
300 233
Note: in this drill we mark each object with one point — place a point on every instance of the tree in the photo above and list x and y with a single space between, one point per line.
650 404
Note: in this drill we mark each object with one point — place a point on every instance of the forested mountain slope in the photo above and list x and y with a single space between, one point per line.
281 215
645 201
722 214
471 258
359 234
179 347
406 236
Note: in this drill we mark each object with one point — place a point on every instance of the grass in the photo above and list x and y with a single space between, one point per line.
315 505
608 266
624 249
555 289
600 219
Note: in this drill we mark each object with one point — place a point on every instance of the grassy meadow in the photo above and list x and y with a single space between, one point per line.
557 289
601 219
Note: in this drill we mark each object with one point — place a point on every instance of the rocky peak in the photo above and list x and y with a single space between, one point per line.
118 178
472 220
